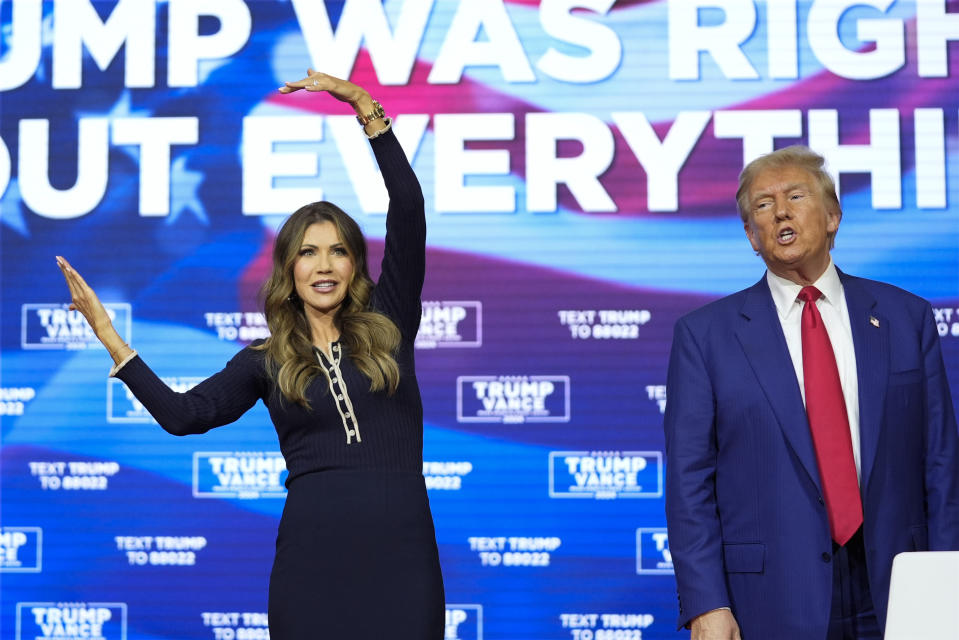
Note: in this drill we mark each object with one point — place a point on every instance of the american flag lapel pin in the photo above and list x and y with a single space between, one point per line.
874 321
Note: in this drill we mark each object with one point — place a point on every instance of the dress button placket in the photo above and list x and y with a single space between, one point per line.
339 391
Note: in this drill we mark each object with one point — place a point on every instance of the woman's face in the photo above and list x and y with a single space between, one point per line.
323 269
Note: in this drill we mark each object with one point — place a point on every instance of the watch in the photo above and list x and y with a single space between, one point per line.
377 112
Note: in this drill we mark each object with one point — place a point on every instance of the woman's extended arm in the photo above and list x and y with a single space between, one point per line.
218 400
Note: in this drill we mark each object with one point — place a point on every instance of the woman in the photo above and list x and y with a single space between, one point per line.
356 552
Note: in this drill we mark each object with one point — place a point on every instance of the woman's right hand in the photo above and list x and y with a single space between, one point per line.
84 300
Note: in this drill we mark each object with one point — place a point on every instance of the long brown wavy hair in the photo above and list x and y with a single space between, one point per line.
371 338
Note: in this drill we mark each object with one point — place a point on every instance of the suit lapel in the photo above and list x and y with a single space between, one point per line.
761 336
870 343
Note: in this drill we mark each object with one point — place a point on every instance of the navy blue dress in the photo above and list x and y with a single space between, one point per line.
356 552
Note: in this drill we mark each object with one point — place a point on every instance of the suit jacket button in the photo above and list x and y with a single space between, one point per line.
821 501
826 557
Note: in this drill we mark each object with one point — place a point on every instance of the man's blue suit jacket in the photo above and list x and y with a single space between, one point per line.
747 524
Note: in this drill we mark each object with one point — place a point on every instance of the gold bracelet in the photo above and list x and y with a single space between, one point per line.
375 114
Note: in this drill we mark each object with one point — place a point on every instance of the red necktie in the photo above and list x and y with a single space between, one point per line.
828 422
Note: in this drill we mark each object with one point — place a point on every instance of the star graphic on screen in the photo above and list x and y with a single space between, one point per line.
46 41
6 34
11 211
184 184
122 108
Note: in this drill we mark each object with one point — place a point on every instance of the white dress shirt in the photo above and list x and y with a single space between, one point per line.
835 316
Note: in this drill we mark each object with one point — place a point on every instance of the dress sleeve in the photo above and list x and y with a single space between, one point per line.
218 400
397 293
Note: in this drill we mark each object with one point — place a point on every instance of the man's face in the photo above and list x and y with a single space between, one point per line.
789 223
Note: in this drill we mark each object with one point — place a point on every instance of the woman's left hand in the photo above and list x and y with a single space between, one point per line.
343 90
359 98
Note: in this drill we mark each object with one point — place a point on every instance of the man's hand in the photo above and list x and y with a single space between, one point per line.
718 624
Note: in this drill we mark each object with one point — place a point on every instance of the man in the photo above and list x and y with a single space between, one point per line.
810 432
